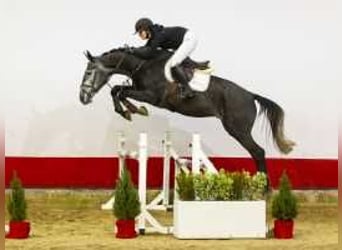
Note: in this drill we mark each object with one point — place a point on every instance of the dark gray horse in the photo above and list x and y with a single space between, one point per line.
233 105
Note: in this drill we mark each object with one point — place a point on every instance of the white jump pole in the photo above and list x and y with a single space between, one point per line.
199 159
161 201
166 170
122 153
142 179
142 157
196 150
145 214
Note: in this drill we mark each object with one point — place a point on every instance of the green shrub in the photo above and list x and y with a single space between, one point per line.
241 185
258 184
127 204
222 186
204 186
213 187
284 204
17 205
185 186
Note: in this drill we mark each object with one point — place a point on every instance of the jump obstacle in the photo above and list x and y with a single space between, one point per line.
162 200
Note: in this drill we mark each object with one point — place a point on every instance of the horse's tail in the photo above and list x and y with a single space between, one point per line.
275 115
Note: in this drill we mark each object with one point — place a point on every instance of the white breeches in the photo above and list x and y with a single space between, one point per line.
188 45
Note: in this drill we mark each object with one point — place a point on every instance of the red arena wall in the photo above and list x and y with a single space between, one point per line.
93 172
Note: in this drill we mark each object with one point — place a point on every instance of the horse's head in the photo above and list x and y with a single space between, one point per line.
95 77
101 68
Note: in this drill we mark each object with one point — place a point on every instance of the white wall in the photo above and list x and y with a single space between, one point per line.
286 50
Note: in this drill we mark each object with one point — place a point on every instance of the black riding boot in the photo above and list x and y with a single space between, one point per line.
180 75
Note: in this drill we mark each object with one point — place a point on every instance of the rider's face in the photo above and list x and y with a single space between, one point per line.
143 34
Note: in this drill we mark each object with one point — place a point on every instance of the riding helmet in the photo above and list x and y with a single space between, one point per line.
143 24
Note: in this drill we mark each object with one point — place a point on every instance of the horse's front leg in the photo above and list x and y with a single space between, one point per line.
140 95
130 106
134 109
115 92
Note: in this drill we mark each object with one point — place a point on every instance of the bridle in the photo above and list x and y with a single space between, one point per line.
117 67
137 68
90 90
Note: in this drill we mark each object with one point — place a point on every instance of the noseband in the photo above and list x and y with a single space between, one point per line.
89 89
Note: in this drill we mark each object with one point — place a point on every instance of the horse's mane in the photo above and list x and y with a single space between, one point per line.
108 55
120 49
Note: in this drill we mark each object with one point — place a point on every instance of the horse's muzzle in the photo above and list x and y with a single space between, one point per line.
85 98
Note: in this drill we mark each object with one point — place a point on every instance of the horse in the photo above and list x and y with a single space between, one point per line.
233 105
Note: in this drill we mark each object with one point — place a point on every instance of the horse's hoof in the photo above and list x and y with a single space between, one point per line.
127 115
142 111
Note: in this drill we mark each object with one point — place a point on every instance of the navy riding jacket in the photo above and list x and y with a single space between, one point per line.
168 38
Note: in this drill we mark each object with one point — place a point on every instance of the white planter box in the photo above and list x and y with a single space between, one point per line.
219 219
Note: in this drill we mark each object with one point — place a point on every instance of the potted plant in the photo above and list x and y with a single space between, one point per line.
19 228
284 209
126 206
220 205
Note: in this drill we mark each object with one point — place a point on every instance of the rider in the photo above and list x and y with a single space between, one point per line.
178 39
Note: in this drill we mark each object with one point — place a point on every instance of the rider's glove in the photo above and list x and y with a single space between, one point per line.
129 49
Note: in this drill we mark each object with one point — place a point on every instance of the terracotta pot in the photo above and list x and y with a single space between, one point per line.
18 230
125 229
283 229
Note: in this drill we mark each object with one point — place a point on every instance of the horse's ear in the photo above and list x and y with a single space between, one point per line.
89 56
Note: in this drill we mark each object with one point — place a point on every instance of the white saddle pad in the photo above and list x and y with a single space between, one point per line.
201 80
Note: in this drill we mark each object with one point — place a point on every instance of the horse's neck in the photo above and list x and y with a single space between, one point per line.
132 64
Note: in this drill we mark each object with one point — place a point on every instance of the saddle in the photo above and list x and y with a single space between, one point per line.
188 62
190 66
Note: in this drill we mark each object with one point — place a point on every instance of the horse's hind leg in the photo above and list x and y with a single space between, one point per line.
246 140
258 153
239 125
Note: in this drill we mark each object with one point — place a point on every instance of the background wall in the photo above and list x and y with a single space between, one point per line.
285 50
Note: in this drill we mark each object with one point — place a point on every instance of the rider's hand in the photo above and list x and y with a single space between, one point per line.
129 49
